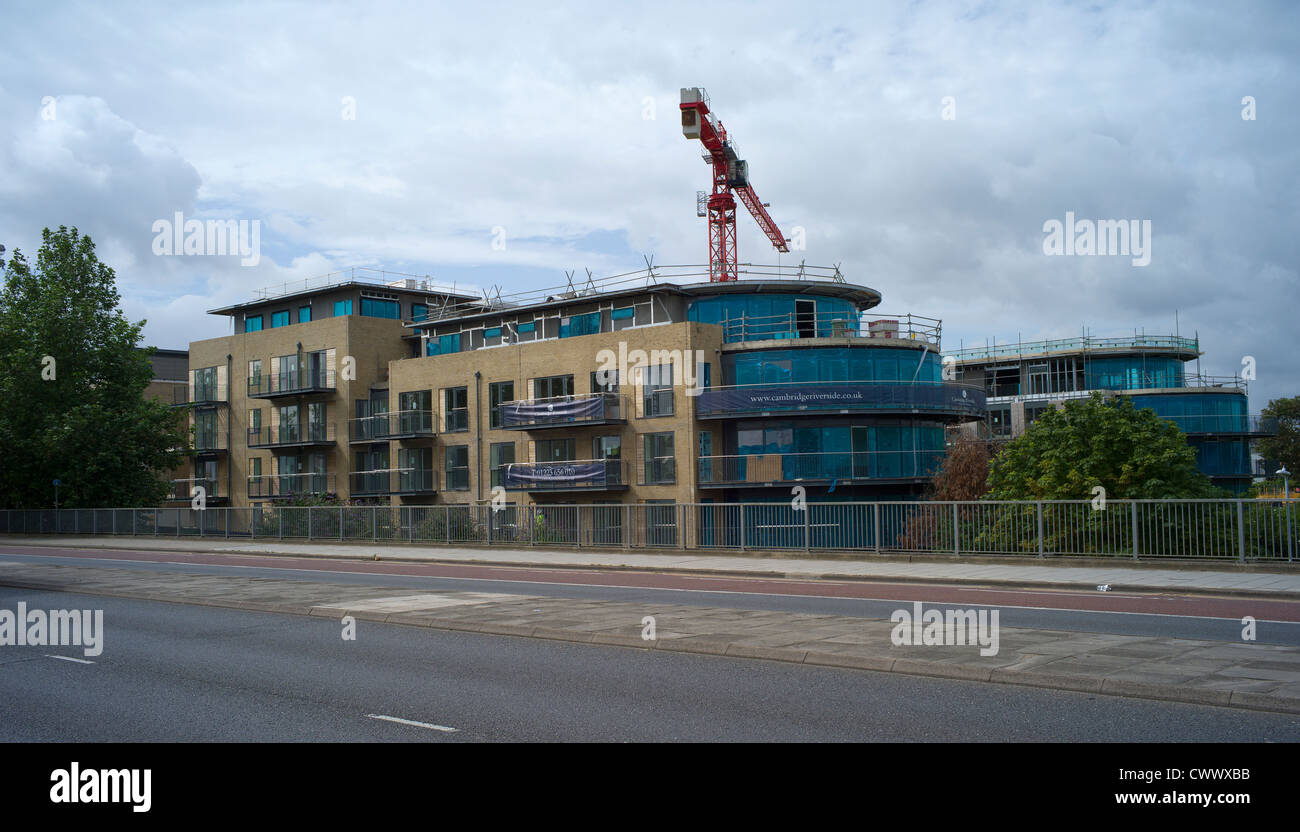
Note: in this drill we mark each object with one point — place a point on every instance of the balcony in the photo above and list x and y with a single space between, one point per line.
205 395
404 424
456 420
209 440
1233 424
564 411
279 385
660 470
567 475
801 325
182 490
1082 344
291 436
816 468
286 486
950 399
400 481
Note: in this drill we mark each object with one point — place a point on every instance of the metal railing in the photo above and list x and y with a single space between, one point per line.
456 420
288 384
1084 343
774 468
393 481
385 426
283 486
291 434
1241 530
203 394
793 325
181 489
1226 423
558 411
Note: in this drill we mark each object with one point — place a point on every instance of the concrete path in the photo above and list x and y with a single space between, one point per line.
1233 674
1217 577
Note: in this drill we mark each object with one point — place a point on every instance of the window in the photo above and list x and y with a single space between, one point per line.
288 424
205 385
287 378
415 469
1000 421
253 323
604 381
499 392
457 463
255 373
279 319
554 450
415 414
657 390
659 462
304 314
500 455
552 387
443 344
342 307
455 405
419 311
316 428
379 308
574 325
255 467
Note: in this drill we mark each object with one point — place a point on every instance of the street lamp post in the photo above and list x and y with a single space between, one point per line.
1286 497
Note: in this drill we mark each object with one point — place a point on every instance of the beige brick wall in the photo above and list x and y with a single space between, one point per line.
372 342
577 356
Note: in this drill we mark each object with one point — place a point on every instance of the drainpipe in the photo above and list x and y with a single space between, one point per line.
230 448
478 435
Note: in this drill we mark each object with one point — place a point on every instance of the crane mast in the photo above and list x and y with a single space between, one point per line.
730 173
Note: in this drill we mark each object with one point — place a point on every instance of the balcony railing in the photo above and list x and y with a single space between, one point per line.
564 411
780 468
1083 344
567 475
1227 423
404 424
291 384
204 394
458 478
923 397
182 489
660 470
393 481
795 325
291 435
283 486
456 420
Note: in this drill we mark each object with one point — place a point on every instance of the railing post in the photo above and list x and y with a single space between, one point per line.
447 524
1241 531
742 527
1041 543
1134 504
309 522
875 524
279 513
627 527
806 526
956 538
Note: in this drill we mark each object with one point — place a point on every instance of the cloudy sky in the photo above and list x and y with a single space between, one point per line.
560 127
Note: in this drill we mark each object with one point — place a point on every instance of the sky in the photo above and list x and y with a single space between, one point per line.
924 148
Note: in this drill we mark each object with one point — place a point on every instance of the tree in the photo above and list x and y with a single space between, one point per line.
1285 447
72 403
964 474
1133 454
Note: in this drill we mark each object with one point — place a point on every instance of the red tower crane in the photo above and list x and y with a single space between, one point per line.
729 173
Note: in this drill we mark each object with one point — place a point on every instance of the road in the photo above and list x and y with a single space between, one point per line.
1155 615
171 672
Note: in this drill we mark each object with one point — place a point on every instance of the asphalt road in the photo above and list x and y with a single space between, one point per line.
1155 615
171 672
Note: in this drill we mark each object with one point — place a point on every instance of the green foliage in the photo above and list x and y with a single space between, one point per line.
1285 447
1132 453
89 424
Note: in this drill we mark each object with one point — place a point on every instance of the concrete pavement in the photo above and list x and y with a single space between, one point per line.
1221 577
1233 674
